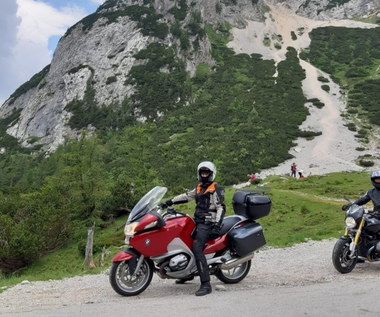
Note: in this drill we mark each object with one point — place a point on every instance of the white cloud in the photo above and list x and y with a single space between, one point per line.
24 49
8 39
98 1
40 21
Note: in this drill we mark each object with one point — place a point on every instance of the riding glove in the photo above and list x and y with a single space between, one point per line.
166 204
346 207
215 231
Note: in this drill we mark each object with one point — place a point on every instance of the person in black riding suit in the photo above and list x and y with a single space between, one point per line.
209 212
371 195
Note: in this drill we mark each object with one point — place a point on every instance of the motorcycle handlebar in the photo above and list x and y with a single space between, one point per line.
173 211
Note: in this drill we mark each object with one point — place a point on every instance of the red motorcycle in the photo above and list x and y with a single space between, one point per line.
162 243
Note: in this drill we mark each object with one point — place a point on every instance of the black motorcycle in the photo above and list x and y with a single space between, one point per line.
361 239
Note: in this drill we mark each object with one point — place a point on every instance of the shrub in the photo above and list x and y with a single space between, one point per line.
308 134
316 102
111 80
323 79
326 88
266 41
351 126
366 163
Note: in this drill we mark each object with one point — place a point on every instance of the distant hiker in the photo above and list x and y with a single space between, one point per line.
252 177
300 174
293 170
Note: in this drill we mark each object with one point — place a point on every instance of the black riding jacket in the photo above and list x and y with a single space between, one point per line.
372 195
209 198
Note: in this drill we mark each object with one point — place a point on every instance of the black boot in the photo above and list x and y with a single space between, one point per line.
204 289
184 280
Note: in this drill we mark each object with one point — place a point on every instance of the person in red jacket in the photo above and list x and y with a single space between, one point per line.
209 212
293 170
252 177
300 174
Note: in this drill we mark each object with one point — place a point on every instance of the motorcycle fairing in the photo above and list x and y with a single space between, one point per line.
175 247
130 255
155 242
150 218
216 245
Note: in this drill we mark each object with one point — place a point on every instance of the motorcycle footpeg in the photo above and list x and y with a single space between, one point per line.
225 258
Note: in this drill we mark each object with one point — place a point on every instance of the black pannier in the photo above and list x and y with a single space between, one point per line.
251 204
246 239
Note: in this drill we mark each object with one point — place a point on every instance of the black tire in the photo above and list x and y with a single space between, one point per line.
235 274
127 285
342 262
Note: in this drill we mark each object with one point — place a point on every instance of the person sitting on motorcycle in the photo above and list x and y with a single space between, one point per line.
208 216
371 195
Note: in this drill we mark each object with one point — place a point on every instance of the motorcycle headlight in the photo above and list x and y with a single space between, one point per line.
129 231
350 222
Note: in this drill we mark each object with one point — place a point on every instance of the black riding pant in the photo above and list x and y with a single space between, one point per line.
202 234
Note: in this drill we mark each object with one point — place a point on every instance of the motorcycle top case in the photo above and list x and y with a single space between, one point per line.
251 204
246 239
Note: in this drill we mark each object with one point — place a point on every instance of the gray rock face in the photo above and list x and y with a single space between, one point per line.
103 55
324 9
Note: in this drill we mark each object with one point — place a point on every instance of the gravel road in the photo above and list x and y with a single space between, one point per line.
303 265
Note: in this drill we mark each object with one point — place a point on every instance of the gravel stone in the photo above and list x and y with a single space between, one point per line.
302 264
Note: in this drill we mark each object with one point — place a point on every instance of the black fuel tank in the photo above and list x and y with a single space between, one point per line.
372 225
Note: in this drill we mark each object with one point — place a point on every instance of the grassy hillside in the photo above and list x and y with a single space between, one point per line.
352 57
301 209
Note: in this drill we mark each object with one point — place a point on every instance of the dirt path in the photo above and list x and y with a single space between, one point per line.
315 197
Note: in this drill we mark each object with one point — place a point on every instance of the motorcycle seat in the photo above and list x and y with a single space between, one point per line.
229 222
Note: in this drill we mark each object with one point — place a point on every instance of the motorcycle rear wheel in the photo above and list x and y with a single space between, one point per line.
126 284
235 274
342 262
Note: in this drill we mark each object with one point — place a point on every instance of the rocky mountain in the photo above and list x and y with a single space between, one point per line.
92 64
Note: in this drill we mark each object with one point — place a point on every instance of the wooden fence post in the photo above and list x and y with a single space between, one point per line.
89 258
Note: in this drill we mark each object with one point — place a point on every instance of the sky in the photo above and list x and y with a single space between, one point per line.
29 33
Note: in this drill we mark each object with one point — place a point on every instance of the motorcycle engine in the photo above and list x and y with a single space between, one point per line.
178 262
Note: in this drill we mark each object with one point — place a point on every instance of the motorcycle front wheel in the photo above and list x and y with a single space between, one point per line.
235 274
343 263
126 284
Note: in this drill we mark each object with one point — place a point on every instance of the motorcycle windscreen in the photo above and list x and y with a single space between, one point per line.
147 203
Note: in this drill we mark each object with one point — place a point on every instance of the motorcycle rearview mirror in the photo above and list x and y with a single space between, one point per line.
346 198
171 210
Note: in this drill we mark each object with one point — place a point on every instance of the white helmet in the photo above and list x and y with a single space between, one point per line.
208 166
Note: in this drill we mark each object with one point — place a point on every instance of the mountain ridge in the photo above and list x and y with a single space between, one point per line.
95 57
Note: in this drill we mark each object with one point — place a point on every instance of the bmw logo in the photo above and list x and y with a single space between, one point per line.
147 241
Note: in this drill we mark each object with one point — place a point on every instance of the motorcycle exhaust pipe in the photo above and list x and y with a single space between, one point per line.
236 261
217 260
